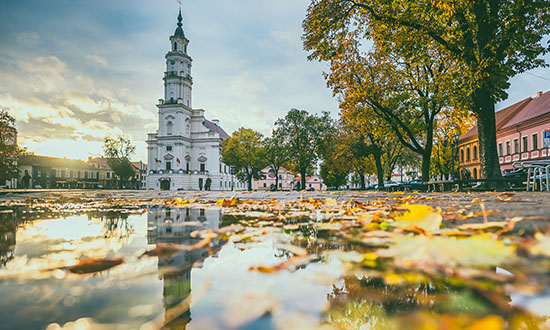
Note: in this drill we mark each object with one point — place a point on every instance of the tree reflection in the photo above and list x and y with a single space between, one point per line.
8 229
115 224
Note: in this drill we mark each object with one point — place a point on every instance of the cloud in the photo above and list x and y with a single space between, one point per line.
247 86
28 37
96 59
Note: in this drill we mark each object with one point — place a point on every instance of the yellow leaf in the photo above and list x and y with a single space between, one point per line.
492 322
476 251
422 216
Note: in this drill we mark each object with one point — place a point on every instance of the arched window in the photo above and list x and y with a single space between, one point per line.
169 128
461 155
175 46
467 154
475 173
475 152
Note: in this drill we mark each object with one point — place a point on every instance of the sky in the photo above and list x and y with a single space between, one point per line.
72 71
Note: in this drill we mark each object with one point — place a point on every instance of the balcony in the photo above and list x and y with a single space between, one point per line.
169 74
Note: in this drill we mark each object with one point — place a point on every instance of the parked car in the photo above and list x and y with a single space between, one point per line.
413 185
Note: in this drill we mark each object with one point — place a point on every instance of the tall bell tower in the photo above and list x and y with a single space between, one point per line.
177 78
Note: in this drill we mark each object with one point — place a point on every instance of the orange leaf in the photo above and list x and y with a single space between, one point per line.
94 265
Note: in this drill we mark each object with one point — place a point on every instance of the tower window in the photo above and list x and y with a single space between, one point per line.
169 128
175 46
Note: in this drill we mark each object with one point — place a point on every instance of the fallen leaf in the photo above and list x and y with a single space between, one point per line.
94 265
421 216
290 264
421 251
483 226
296 250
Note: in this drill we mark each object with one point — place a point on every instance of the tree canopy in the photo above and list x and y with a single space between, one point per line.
9 151
118 150
302 134
244 152
488 42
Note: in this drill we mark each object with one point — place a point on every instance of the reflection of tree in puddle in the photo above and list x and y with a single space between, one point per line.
8 228
175 226
115 224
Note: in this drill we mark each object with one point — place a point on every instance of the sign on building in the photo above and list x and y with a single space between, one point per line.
547 139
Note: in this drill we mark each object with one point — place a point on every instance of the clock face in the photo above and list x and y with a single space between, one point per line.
172 62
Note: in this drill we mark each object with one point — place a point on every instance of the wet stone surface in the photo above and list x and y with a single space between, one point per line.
343 260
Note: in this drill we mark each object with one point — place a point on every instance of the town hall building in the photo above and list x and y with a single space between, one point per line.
185 152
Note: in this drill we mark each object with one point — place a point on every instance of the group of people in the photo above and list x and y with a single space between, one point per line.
207 184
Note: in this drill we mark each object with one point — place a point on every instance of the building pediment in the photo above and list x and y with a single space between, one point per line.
188 158
202 159
168 157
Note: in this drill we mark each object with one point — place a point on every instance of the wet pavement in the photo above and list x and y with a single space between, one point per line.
287 260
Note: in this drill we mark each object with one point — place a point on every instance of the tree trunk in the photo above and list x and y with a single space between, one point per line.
249 181
362 180
484 108
379 168
277 179
303 179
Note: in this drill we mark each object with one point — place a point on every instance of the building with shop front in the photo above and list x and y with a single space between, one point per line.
185 152
520 132
53 173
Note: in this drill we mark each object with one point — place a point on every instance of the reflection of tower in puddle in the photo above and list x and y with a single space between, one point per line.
8 229
175 226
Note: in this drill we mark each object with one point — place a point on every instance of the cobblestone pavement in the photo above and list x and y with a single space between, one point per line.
533 208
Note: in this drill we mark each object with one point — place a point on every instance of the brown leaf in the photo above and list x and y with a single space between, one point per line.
94 265
291 263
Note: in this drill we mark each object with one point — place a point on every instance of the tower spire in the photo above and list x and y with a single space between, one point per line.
179 29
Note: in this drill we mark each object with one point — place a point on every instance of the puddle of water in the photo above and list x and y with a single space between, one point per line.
38 292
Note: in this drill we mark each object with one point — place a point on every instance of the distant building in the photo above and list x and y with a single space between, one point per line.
314 182
106 176
138 181
268 180
185 152
50 172
520 132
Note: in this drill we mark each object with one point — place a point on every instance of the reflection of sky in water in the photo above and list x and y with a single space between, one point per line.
34 293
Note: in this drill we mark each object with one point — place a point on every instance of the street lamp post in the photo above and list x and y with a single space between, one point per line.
453 145
232 172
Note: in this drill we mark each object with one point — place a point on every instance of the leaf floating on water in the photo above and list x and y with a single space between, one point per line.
421 216
475 251
296 250
163 250
290 264
94 265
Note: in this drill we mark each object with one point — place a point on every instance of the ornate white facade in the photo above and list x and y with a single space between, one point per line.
186 149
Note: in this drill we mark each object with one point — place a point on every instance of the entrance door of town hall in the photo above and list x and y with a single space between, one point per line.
165 184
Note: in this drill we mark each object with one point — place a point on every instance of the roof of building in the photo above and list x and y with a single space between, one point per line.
501 117
45 161
538 106
179 29
215 128
102 162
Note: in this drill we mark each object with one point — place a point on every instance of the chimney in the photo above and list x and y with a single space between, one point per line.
216 122
539 93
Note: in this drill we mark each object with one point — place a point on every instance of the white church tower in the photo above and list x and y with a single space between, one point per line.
185 152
